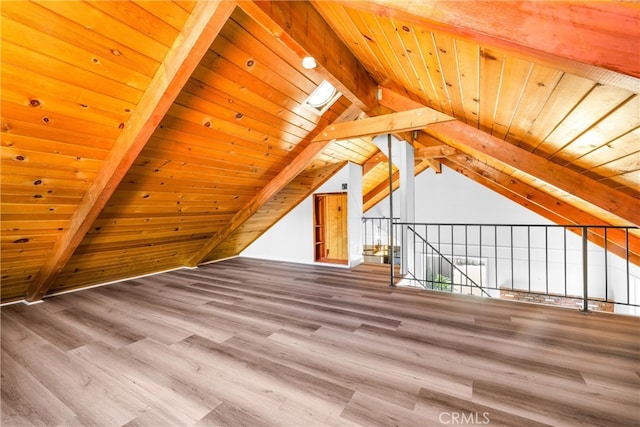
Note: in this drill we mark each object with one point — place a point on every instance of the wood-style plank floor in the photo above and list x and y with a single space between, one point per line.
258 343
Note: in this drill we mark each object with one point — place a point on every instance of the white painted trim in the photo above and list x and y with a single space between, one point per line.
112 282
23 301
214 261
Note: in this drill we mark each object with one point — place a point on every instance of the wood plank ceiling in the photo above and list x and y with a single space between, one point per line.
144 136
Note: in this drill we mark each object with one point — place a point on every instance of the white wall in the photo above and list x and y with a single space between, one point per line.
450 197
291 239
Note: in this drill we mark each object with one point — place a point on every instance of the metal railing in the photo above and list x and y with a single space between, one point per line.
587 266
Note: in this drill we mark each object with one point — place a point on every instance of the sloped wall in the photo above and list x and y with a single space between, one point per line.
291 239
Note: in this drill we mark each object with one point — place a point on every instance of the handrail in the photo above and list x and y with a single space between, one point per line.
585 266
471 224
469 279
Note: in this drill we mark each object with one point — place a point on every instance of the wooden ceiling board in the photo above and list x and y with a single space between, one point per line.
567 93
27 37
351 36
84 39
302 161
468 75
169 12
65 72
290 22
398 58
236 93
621 147
627 183
539 87
596 105
618 122
379 192
356 150
564 33
60 122
216 156
429 65
50 95
125 23
513 79
78 76
491 68
375 176
223 137
72 76
456 78
202 27
257 62
620 167
248 102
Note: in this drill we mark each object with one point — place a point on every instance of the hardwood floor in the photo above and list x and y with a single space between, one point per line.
257 343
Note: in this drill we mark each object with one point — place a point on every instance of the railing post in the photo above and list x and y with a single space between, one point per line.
391 230
585 271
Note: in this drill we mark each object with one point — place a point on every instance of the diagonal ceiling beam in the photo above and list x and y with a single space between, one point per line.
280 181
542 203
464 137
583 37
414 119
198 33
469 139
300 27
380 191
434 164
372 162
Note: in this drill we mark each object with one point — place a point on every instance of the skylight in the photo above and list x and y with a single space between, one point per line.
323 96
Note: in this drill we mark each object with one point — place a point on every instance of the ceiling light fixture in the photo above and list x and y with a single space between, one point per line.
309 63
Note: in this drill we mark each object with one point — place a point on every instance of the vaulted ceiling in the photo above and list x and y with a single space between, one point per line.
143 136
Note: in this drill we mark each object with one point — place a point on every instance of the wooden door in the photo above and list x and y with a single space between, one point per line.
330 228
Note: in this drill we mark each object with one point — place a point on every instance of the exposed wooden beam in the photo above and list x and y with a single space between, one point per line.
542 203
469 140
434 164
583 37
418 118
372 162
199 31
286 175
434 152
379 192
299 26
